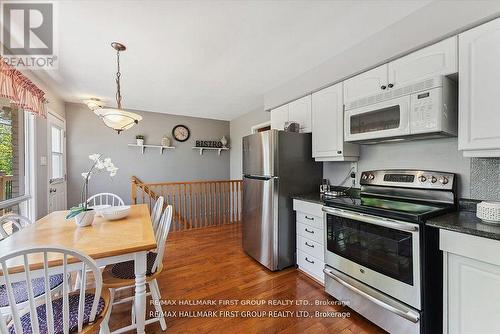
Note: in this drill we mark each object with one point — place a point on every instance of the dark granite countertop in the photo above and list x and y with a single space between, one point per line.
312 197
465 221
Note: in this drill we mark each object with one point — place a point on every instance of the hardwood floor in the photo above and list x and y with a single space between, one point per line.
210 265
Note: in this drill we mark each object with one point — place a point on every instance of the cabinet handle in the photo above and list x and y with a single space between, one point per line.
339 152
383 87
309 231
390 85
307 244
308 218
312 262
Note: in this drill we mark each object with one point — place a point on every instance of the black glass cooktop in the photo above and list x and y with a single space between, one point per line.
390 208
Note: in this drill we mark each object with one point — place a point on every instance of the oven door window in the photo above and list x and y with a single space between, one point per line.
384 250
377 120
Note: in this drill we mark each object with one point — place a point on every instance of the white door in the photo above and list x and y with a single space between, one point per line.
278 117
56 135
479 68
437 59
365 84
328 122
300 111
473 296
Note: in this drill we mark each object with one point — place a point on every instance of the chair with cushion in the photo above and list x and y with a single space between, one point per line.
105 199
11 223
156 213
121 276
80 311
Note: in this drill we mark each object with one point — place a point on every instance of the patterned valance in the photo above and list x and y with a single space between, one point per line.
20 90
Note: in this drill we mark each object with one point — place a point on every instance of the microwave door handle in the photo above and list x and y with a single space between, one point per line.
384 222
408 315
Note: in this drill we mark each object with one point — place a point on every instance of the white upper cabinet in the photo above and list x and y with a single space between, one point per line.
438 59
296 111
328 127
365 84
479 109
278 117
300 111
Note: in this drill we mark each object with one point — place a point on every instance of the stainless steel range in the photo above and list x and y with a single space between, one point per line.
379 254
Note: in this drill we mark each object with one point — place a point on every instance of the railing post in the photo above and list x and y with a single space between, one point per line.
133 191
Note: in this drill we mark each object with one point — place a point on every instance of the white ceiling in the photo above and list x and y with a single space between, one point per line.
212 59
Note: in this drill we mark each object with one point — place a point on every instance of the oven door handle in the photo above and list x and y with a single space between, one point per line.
408 315
389 223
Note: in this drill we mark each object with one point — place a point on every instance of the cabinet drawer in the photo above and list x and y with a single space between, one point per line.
311 265
311 248
311 220
313 233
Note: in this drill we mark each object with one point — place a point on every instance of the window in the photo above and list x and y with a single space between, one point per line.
16 127
57 137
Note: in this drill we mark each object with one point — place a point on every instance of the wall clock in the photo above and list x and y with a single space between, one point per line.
180 133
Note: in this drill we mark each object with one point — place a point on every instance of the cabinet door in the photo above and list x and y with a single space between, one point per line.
479 68
278 117
473 296
438 59
328 122
300 111
365 84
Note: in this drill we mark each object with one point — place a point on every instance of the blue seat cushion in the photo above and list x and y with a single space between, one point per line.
125 270
20 289
57 308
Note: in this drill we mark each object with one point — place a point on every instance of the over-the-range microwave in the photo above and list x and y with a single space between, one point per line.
426 109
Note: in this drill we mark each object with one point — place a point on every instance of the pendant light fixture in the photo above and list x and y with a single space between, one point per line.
115 118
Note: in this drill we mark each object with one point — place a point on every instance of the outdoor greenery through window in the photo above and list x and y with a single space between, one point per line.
12 154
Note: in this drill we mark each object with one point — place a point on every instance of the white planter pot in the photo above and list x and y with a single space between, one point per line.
140 142
85 218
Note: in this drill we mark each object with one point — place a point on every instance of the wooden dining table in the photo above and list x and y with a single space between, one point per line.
107 242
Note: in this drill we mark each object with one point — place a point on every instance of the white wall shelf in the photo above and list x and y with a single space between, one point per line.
143 147
218 149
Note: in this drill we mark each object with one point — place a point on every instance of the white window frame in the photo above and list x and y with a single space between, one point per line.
53 179
256 127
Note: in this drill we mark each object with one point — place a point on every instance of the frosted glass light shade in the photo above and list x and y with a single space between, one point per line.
117 119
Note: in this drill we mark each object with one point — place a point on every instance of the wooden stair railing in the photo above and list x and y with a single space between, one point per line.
196 204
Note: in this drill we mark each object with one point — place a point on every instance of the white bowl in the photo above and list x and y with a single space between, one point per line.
98 209
116 212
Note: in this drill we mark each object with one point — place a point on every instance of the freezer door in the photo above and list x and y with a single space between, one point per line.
260 220
259 153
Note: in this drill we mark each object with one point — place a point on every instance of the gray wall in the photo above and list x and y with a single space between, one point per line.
86 134
435 21
240 127
437 154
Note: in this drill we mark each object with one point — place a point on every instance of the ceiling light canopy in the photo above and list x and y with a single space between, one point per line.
115 118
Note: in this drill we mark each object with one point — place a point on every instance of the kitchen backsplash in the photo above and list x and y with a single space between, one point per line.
485 178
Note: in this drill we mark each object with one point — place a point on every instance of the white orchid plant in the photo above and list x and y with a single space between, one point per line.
99 165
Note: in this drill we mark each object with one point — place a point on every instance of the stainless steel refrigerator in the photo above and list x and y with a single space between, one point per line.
276 165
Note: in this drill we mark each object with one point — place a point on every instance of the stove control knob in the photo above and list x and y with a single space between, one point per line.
443 180
433 179
364 176
422 178
371 177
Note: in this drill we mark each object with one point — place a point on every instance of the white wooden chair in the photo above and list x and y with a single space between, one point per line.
121 276
80 311
156 212
11 223
105 199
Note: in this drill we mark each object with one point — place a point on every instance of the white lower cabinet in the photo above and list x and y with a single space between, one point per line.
310 239
471 283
